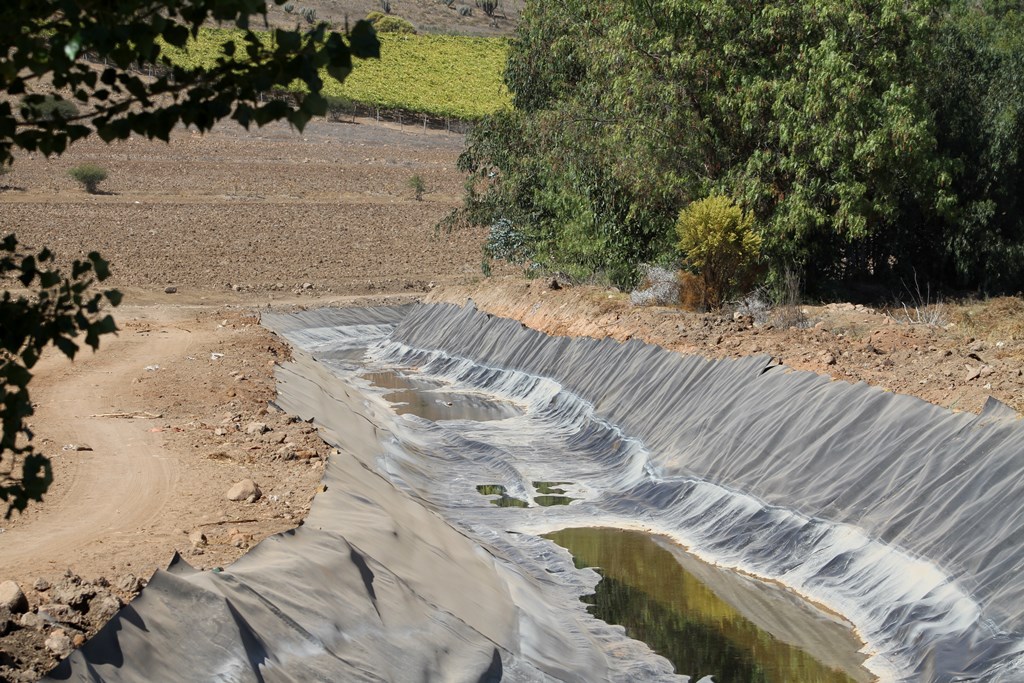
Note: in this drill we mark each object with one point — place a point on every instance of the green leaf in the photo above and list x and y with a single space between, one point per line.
363 40
73 45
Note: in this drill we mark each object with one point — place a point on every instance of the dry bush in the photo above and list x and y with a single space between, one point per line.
691 291
659 287
999 318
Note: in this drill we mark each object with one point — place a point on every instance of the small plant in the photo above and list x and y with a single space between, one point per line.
393 24
465 11
718 239
89 175
49 108
488 6
386 6
289 7
309 14
418 186
923 310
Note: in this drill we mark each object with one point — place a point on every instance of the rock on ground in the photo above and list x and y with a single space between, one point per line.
12 597
245 490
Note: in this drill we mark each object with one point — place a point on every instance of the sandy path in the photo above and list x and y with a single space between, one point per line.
103 499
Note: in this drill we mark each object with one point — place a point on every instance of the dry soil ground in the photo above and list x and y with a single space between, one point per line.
240 221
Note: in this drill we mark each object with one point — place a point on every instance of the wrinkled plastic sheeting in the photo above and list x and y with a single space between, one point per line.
900 515
921 508
312 604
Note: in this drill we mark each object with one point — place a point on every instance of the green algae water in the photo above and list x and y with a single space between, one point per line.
708 621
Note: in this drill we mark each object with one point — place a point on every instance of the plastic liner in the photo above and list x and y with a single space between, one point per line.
901 516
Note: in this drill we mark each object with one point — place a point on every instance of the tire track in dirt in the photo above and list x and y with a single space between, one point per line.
101 500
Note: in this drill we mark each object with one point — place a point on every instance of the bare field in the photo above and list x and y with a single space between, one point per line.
264 211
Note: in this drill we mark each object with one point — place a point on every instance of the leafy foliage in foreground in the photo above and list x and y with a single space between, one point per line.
58 310
49 38
869 140
46 43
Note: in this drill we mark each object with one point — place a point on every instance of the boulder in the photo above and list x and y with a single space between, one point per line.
245 490
12 597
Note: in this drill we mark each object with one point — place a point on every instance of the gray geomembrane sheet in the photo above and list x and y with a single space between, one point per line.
904 518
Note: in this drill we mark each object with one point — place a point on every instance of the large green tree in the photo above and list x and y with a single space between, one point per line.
838 125
108 58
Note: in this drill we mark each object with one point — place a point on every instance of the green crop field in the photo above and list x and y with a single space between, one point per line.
442 75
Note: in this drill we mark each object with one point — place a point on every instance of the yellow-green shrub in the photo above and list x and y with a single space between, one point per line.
390 24
717 238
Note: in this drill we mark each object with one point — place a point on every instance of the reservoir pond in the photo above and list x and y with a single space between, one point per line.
709 621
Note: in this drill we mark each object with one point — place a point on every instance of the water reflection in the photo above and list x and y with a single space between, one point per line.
506 501
645 589
427 399
551 493
503 500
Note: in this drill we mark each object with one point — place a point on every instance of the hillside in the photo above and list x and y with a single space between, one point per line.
428 16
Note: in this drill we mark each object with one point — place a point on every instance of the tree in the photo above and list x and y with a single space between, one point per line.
834 124
95 56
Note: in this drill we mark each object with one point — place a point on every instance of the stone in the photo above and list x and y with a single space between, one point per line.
104 607
41 585
59 643
32 620
76 595
972 373
275 437
246 490
220 431
58 612
170 290
828 359
197 538
129 583
12 597
78 641
257 428
6 620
